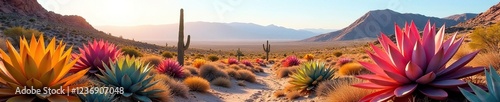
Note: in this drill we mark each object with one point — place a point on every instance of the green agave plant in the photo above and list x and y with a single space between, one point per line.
309 75
131 74
493 85
100 97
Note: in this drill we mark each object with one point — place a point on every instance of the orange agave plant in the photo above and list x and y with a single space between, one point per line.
39 66
416 64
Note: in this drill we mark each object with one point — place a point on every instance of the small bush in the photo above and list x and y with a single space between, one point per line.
337 54
167 54
186 73
152 60
193 70
285 72
210 72
235 67
487 59
176 88
131 51
197 84
17 32
224 82
486 38
293 95
309 57
279 93
324 88
352 69
213 58
165 95
232 72
247 76
199 62
344 92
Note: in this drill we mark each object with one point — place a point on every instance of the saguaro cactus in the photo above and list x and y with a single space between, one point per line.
180 46
267 49
239 54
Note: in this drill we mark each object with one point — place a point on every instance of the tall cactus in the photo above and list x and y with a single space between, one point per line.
239 54
267 49
180 46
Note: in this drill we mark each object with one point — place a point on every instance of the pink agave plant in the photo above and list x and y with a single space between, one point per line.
94 54
231 61
290 61
416 64
171 68
247 63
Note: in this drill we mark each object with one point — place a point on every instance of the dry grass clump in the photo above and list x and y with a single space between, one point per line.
352 68
224 82
278 93
487 59
186 73
199 62
325 87
210 71
241 83
235 67
247 76
293 95
193 70
232 72
165 96
176 87
344 92
197 84
152 60
285 72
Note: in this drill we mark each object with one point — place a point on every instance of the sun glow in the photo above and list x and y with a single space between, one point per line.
121 12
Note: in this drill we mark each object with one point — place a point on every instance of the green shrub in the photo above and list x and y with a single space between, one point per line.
486 38
337 54
167 54
131 51
213 58
16 32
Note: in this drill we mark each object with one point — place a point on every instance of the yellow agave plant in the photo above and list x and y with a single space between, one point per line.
37 66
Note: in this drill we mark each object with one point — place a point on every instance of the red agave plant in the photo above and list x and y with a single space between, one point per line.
94 54
416 64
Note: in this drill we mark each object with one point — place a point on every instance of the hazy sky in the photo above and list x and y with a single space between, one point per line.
298 14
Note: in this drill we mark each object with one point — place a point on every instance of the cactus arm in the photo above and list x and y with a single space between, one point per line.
188 42
263 47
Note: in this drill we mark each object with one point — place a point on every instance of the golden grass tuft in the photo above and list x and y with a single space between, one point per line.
278 93
210 71
487 59
325 87
232 72
152 60
186 73
220 81
285 72
176 87
165 96
193 70
235 67
352 68
197 84
309 57
199 62
344 92
293 95
247 76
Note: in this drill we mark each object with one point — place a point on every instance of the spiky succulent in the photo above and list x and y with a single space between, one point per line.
343 61
93 54
309 57
247 63
416 64
231 61
198 62
97 97
131 74
290 61
493 85
171 68
37 65
309 75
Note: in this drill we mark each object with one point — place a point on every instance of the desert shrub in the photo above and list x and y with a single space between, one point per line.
293 95
199 62
220 81
152 60
235 67
167 54
325 87
347 93
210 72
247 76
486 38
285 72
17 32
352 68
176 87
131 51
192 70
197 84
279 93
337 54
186 73
213 58
232 72
165 96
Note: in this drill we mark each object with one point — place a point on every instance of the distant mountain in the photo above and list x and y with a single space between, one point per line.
488 17
372 23
208 31
319 30
461 17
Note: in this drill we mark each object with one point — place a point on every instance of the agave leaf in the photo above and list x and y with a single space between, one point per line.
21 98
35 83
142 98
397 77
459 63
18 76
73 78
471 97
451 83
434 93
429 77
382 95
480 93
127 94
405 90
370 86
413 71
126 81
383 64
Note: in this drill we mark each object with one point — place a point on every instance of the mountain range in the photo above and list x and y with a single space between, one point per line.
373 22
209 31
490 16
